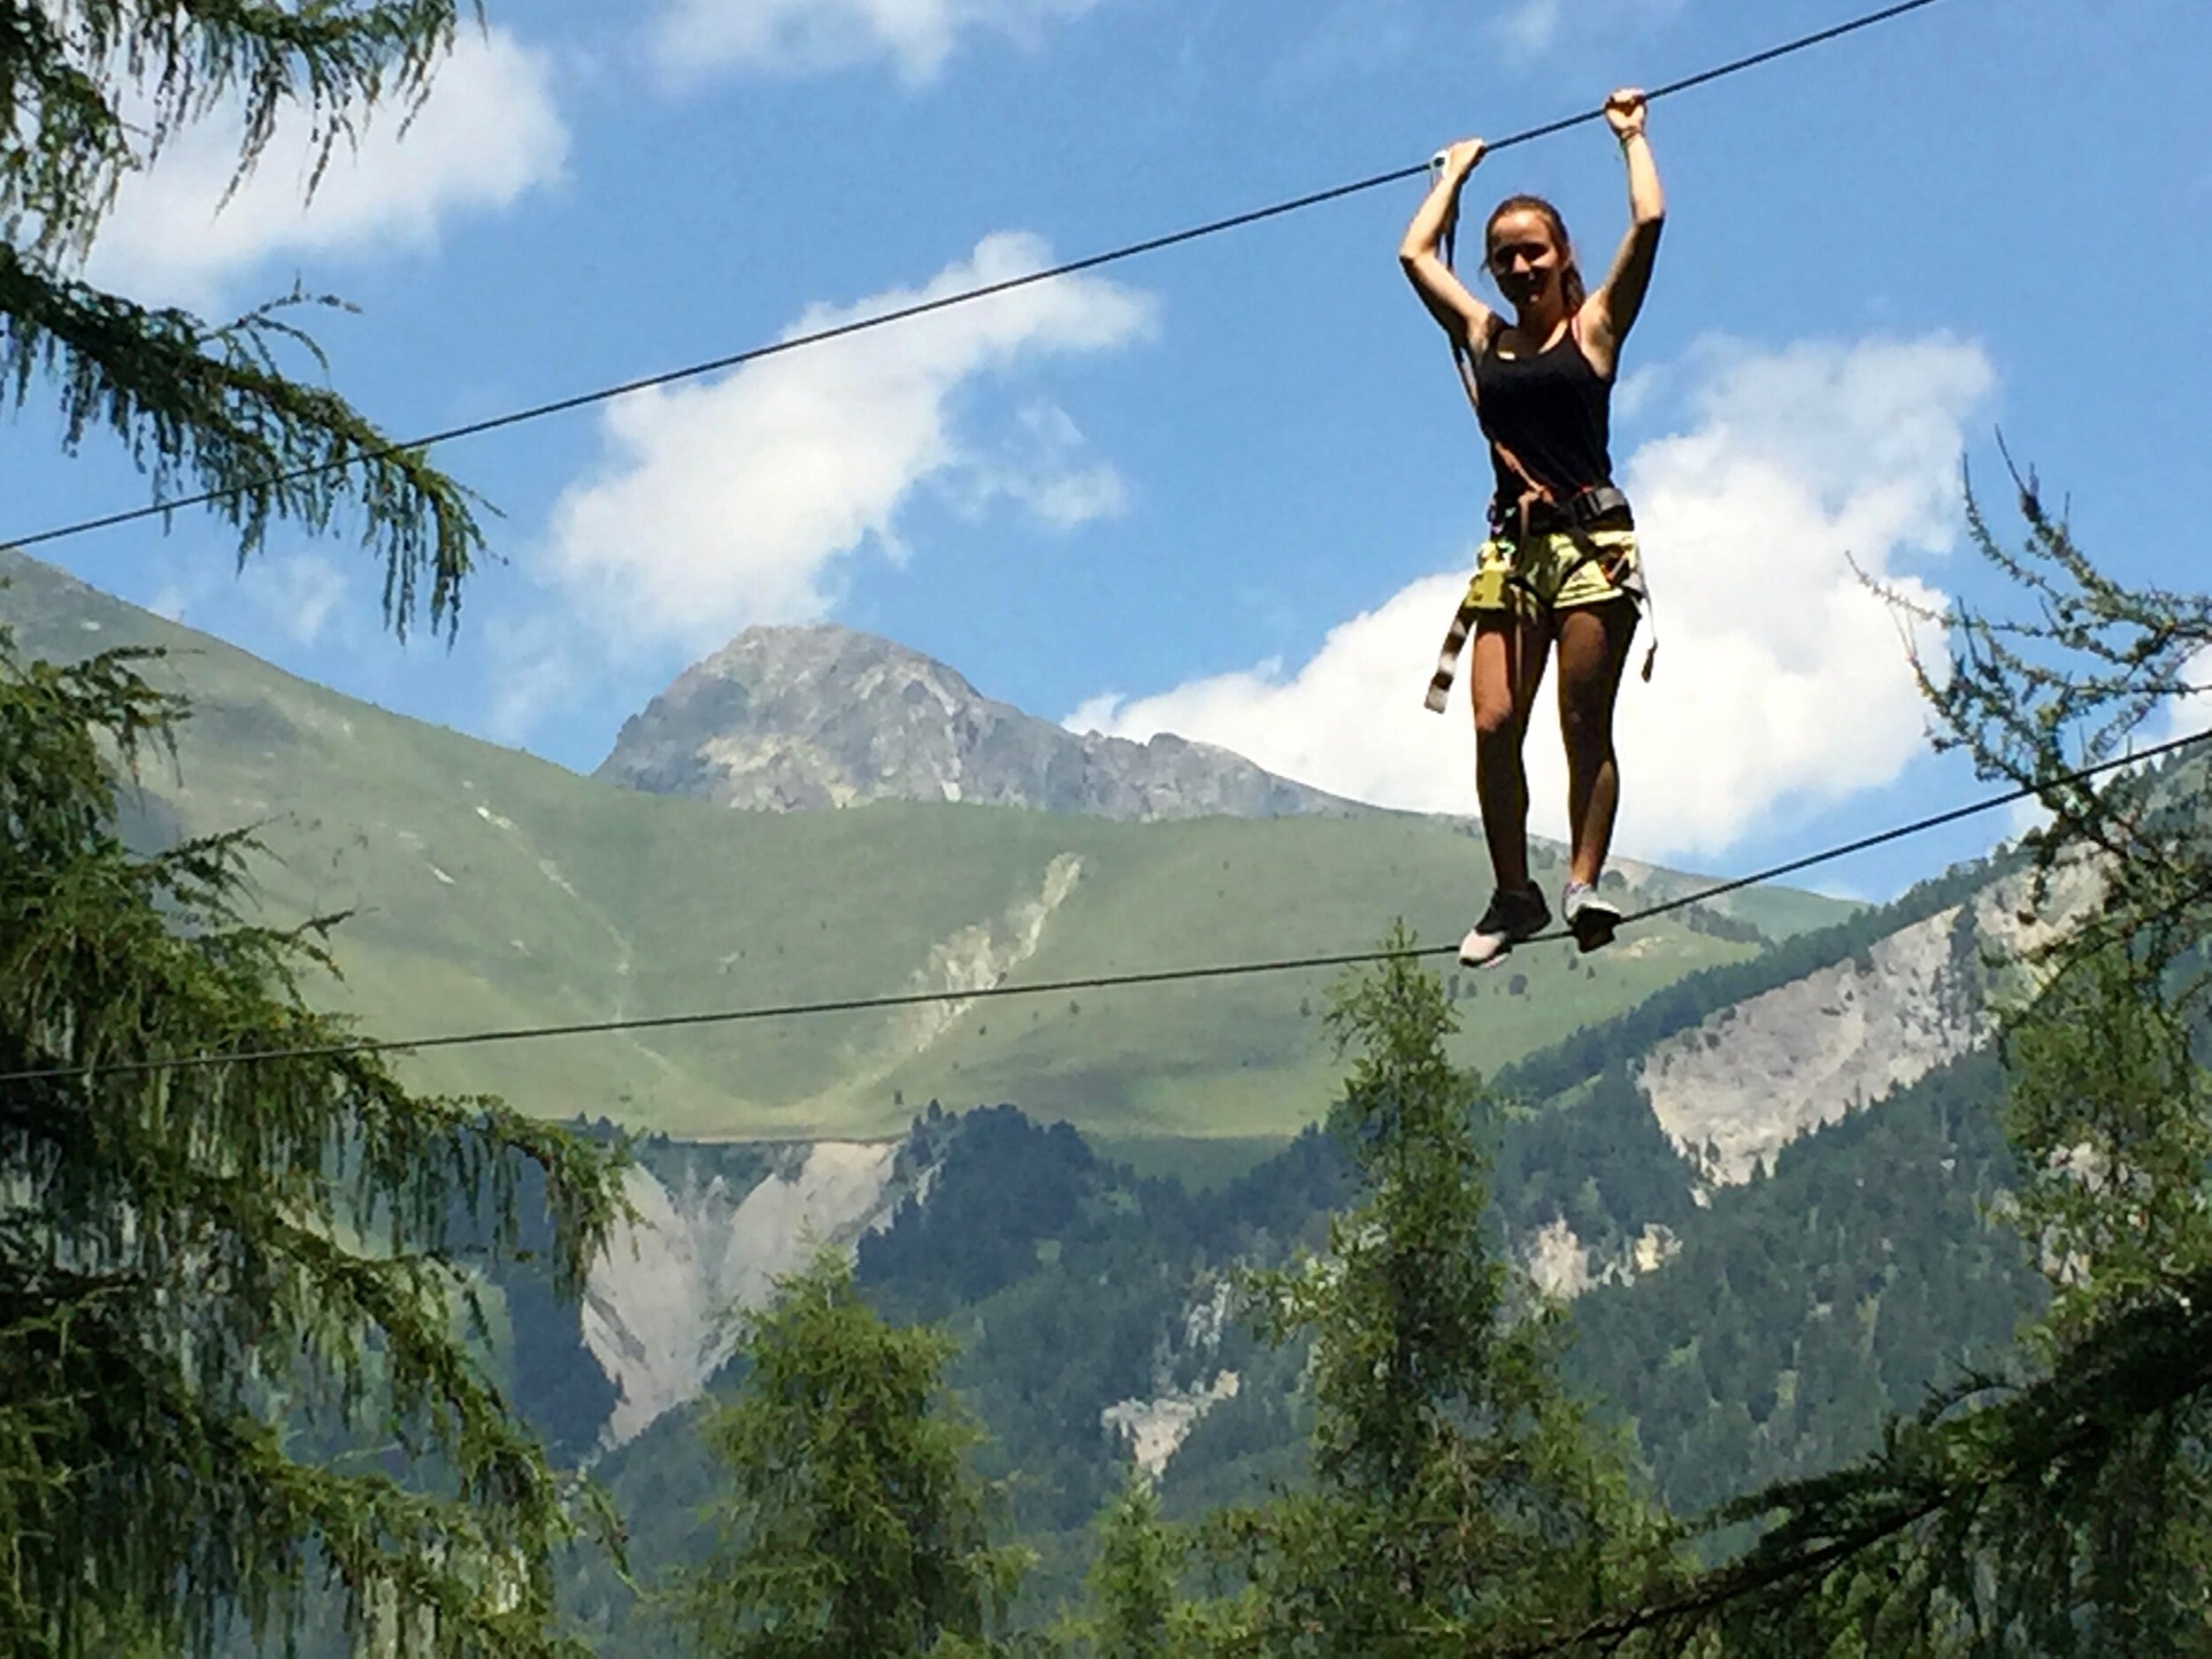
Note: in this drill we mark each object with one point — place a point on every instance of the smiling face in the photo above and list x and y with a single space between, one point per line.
1527 255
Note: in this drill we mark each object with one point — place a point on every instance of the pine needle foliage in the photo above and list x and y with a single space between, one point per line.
2064 1509
1137 1608
2064 682
91 90
852 1523
1462 1501
202 1266
1141 1562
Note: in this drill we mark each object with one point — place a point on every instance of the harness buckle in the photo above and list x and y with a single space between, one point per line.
1584 509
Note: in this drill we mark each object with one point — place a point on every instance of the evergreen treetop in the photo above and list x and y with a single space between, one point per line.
1462 1500
852 1523
95 90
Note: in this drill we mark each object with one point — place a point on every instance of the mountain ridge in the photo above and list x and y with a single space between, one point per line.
807 718
490 890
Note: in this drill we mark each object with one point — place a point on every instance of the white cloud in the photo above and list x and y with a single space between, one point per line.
1528 29
726 503
1781 680
488 134
296 591
2190 714
804 36
1047 469
1077 498
534 672
1637 390
300 594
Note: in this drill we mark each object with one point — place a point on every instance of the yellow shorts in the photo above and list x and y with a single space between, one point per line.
1556 571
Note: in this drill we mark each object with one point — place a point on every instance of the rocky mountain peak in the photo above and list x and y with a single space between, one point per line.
801 718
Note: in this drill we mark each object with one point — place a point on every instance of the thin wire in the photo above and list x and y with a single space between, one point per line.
906 314
1054 987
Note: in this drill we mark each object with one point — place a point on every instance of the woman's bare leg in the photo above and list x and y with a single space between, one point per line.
1509 652
1594 643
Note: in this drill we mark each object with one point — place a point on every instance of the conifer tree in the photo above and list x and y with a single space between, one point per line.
1462 1502
852 1523
2066 1508
200 1261
1138 1611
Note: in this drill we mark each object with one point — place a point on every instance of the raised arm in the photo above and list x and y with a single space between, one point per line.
1462 316
1611 311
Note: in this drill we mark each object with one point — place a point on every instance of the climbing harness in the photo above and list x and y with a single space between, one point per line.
1537 510
1534 523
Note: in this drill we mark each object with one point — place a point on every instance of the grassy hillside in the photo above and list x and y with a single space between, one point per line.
490 889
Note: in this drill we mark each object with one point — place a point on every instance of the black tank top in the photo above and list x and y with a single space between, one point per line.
1552 410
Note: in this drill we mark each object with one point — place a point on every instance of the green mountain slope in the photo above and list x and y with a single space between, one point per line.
491 890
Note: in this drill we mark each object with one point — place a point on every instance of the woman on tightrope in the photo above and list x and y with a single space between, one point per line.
1560 566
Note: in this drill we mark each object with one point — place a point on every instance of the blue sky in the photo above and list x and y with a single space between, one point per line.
1229 489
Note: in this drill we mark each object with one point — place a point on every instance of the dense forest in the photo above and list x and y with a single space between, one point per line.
1799 1313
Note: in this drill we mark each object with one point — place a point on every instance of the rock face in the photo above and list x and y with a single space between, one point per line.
1755 1076
655 1304
1153 1430
798 719
1734 1091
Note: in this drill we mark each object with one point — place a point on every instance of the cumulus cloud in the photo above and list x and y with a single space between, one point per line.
490 132
1781 680
727 502
805 36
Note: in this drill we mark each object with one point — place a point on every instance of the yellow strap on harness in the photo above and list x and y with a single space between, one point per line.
1587 552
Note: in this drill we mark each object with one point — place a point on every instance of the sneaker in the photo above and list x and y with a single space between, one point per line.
1511 917
1588 917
